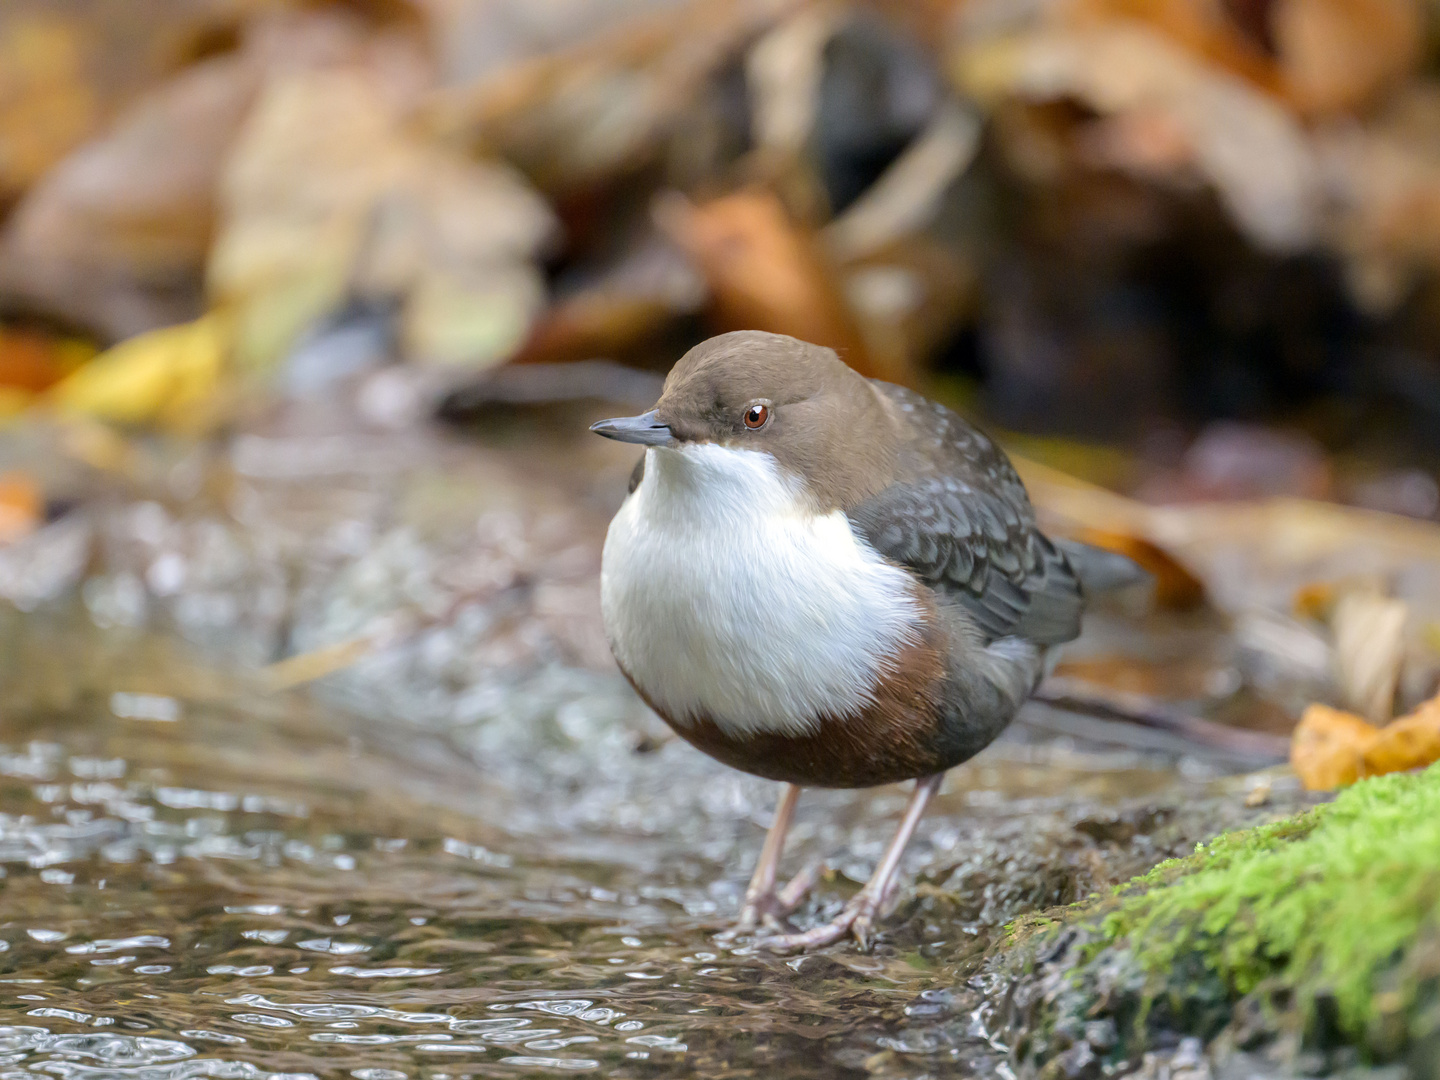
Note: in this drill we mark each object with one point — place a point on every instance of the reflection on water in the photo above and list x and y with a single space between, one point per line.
206 880
164 931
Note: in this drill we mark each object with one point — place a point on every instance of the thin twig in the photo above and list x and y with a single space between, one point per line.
1082 696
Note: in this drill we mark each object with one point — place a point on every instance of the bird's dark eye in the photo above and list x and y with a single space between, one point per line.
756 416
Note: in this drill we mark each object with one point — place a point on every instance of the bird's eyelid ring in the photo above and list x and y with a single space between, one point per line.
643 430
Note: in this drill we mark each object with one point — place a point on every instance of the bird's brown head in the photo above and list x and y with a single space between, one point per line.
751 390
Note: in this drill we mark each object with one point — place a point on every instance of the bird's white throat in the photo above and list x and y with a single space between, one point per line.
726 596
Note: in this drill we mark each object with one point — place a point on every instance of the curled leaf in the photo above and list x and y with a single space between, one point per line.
1411 742
1328 748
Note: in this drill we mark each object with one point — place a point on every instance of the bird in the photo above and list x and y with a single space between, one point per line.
829 581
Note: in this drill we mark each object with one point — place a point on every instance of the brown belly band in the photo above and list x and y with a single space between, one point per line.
900 735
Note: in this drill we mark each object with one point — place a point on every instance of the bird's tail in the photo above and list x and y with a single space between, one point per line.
1100 570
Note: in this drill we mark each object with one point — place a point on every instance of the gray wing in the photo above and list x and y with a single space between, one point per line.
964 525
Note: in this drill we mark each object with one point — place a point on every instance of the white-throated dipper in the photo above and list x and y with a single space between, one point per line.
828 581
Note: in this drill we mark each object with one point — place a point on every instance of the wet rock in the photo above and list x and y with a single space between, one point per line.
1315 1004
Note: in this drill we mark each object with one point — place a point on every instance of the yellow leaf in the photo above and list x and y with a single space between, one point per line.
167 377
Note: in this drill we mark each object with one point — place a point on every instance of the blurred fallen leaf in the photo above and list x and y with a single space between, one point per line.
594 324
1410 742
1252 554
1259 793
33 361
1176 588
22 507
1244 142
328 192
46 107
764 272
1328 747
632 301
783 71
1369 633
1336 55
573 118
908 194
1283 656
1383 178
114 237
1332 748
1206 30
169 376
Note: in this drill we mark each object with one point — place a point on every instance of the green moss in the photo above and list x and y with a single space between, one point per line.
1321 903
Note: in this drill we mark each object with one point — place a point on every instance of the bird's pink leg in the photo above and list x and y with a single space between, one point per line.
762 902
860 913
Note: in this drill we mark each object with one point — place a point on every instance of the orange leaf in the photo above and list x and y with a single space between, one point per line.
33 361
21 506
1411 742
1176 587
764 271
1328 747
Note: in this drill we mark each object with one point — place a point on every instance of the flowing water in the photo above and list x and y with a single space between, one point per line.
467 851
205 879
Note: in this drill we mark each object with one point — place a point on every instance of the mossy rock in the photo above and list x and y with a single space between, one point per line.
1319 933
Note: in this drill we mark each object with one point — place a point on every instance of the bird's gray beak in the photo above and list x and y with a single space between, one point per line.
643 429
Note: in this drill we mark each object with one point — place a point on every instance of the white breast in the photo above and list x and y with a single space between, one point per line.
724 596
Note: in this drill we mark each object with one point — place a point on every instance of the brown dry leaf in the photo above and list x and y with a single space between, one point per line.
1336 55
1176 588
573 117
594 324
908 193
32 361
765 273
1249 555
1201 27
113 235
46 106
1369 633
1411 742
327 192
1328 747
629 304
22 507
1245 143
1384 180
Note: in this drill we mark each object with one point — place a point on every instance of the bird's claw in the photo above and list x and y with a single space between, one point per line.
770 909
857 919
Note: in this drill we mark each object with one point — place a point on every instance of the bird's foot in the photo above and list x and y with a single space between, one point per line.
859 915
770 909
856 919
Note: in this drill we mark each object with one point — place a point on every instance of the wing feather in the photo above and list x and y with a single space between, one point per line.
964 525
